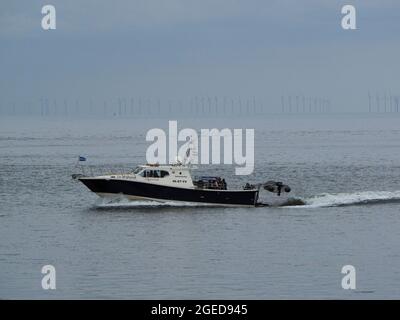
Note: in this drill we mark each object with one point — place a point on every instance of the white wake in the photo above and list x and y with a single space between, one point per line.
122 202
345 199
317 201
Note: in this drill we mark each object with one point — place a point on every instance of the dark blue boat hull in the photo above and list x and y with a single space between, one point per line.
139 190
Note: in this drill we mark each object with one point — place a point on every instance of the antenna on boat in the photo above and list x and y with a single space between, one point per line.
191 152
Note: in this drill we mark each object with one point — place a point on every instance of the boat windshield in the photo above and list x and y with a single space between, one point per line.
137 170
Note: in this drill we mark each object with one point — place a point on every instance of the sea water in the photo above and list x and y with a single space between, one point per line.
344 168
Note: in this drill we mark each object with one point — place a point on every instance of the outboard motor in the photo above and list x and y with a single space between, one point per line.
276 187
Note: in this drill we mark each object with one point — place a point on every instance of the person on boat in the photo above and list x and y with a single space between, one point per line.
216 184
279 188
224 184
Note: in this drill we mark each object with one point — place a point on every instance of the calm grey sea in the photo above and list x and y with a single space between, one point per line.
346 168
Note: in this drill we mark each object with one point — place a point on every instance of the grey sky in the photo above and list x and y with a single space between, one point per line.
177 49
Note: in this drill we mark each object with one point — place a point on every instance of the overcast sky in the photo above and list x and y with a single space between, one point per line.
184 48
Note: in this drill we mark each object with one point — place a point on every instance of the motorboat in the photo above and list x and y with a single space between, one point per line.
174 182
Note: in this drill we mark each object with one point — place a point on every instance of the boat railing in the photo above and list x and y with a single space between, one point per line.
102 170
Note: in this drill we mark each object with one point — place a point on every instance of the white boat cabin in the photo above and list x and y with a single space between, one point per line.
169 175
172 175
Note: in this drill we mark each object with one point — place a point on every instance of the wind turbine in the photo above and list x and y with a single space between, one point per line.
378 103
369 102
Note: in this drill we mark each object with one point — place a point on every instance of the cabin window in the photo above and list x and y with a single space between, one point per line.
154 173
164 173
